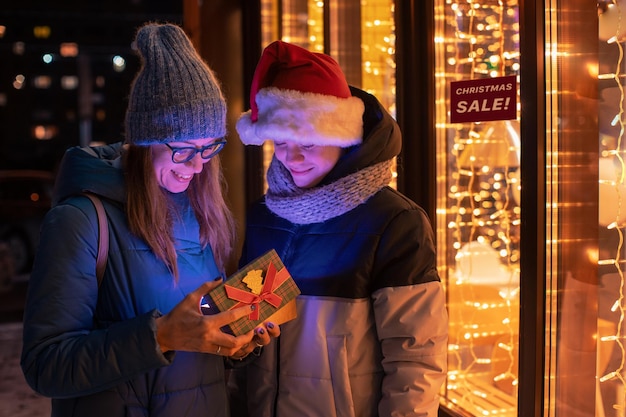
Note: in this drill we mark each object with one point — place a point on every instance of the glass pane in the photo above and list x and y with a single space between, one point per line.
611 354
586 284
378 46
478 210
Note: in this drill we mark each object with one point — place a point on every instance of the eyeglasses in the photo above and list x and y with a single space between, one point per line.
187 153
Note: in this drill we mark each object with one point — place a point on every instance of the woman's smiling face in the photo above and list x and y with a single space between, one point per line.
175 177
308 164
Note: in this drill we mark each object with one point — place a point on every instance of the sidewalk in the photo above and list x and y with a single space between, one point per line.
16 397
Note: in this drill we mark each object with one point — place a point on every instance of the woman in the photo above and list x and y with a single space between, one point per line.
370 338
138 344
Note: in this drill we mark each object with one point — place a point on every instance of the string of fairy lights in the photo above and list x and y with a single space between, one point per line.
480 40
482 212
612 154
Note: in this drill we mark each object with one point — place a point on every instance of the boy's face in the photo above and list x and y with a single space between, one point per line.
308 164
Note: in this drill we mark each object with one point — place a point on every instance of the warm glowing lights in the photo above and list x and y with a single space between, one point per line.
42 82
615 307
483 214
378 51
315 26
43 132
69 82
611 207
42 32
68 49
18 82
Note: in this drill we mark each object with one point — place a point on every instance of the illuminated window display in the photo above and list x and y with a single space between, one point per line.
478 221
480 210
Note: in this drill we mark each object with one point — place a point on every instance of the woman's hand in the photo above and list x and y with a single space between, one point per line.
185 328
259 337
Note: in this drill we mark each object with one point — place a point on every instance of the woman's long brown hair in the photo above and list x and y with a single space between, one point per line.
149 216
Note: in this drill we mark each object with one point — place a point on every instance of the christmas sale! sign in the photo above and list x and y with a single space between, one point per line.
483 100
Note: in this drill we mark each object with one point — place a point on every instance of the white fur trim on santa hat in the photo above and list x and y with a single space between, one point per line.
302 117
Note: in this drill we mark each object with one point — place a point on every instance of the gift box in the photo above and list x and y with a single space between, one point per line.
264 283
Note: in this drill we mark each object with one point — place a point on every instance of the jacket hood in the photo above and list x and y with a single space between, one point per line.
96 169
382 140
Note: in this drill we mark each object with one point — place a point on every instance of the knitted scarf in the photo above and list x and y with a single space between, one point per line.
314 205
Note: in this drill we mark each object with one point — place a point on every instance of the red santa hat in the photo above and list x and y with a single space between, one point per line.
301 96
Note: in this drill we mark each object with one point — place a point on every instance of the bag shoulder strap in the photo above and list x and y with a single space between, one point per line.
103 236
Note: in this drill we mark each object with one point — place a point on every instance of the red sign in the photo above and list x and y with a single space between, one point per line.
483 100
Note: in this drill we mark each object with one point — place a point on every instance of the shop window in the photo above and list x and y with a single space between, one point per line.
479 209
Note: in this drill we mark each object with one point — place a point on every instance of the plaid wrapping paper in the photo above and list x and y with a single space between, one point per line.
236 292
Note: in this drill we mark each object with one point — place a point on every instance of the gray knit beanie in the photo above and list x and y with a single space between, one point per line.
175 96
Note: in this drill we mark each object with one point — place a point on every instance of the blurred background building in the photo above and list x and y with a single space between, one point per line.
65 73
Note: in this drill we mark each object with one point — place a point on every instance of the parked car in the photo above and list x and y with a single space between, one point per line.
25 198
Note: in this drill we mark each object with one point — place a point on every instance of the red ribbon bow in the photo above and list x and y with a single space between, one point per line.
273 280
